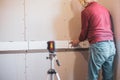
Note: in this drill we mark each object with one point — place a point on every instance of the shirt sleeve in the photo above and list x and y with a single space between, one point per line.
84 28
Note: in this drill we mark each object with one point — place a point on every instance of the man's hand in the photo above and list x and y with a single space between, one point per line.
74 43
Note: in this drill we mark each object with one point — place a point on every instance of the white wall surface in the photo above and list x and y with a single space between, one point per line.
12 67
11 20
40 20
25 20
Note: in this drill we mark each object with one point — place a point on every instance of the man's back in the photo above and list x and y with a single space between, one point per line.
99 23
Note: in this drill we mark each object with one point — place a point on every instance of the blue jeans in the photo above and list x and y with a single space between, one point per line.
101 57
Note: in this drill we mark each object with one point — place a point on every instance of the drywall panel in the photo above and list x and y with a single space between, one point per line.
52 20
12 46
73 65
12 67
37 45
37 66
39 20
11 20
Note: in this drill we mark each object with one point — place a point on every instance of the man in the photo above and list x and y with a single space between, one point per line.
96 28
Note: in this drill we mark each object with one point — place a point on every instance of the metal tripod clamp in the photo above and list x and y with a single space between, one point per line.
51 56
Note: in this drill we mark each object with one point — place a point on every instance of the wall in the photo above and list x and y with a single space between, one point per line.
26 22
36 21
30 19
11 20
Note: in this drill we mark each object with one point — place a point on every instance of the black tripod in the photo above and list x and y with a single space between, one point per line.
52 56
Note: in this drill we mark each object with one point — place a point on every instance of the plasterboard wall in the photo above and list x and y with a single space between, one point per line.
11 20
26 20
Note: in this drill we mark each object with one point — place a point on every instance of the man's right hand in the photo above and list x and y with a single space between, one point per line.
74 43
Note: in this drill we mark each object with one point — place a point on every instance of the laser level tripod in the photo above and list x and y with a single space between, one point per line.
52 56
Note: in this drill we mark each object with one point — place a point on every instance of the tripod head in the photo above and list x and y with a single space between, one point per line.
51 49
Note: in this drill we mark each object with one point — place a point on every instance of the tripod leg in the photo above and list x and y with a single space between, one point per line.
57 75
50 77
